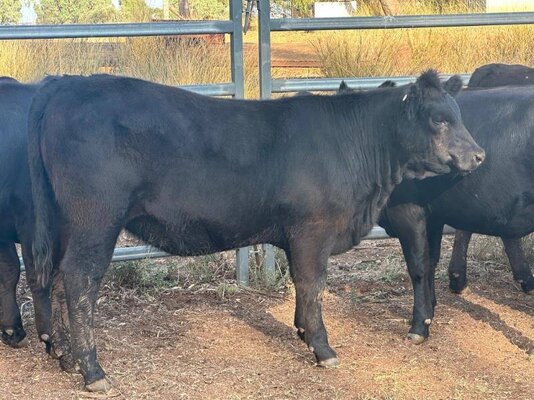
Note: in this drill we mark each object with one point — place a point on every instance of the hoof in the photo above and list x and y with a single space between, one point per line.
301 335
330 363
464 290
14 338
101 385
528 286
414 338
23 343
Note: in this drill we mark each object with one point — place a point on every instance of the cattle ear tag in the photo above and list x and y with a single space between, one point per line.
405 97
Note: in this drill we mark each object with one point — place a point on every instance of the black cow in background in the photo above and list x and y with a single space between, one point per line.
16 215
493 75
497 199
195 175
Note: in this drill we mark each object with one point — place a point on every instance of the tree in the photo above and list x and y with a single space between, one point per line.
136 11
201 9
74 11
10 11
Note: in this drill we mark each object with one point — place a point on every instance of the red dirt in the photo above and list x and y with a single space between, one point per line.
192 345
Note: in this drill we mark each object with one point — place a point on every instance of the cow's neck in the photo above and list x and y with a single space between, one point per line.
373 159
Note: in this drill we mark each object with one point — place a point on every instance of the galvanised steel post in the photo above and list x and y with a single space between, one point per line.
264 43
236 55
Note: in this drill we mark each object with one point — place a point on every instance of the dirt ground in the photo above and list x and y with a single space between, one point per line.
192 344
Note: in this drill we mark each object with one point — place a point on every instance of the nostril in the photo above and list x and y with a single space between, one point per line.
479 158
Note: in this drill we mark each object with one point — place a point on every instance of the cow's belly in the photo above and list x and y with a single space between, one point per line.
195 237
510 217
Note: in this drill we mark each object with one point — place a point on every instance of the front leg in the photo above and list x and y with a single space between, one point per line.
308 254
519 264
60 330
458 263
408 223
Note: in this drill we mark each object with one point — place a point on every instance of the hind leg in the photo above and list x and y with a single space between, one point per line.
519 264
86 259
41 298
12 331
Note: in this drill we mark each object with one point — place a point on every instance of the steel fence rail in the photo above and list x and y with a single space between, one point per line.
332 84
71 31
400 21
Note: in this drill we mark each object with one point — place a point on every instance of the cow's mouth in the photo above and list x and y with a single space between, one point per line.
427 169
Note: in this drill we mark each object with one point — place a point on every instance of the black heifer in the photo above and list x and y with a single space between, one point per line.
497 199
493 75
16 215
195 175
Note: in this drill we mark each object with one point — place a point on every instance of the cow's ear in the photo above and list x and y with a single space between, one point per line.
454 85
343 87
387 84
412 101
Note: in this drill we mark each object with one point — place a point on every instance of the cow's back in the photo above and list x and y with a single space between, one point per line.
492 75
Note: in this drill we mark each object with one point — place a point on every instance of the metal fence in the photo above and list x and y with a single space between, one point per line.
235 88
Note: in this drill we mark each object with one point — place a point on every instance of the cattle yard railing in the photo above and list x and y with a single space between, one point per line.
233 27
268 85
235 88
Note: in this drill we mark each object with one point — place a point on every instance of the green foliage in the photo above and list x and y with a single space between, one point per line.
302 8
137 11
10 11
205 9
74 11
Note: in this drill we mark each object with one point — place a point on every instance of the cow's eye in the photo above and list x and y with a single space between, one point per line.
439 121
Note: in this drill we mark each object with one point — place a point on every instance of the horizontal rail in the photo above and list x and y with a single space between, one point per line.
401 21
212 89
331 84
114 30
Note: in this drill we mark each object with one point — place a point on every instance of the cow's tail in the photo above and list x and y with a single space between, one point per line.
44 208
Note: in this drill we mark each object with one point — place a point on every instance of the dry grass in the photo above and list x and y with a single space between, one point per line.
159 59
407 52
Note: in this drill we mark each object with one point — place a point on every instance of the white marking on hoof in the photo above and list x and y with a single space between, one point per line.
10 332
45 337
414 338
428 321
456 274
301 330
102 385
311 348
330 363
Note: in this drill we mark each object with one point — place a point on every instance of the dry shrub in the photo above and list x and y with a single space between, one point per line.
408 52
